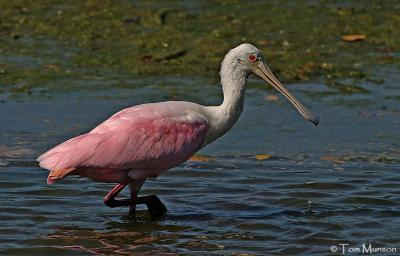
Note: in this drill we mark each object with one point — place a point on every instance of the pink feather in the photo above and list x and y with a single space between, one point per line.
153 137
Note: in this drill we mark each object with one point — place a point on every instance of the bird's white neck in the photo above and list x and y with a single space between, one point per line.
233 81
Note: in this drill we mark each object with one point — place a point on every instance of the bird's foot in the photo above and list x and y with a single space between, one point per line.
156 208
132 212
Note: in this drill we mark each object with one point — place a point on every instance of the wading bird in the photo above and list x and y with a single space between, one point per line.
144 141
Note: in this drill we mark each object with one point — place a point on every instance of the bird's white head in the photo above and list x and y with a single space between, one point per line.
246 59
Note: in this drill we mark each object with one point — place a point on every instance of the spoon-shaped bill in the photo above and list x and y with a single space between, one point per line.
263 71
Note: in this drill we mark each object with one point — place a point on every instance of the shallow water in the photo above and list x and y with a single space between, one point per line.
326 185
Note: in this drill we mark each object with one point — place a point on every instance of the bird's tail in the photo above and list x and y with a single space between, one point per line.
66 157
56 175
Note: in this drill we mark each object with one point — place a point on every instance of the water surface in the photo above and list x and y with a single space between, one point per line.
322 186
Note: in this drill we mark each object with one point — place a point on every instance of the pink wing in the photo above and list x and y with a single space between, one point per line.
151 136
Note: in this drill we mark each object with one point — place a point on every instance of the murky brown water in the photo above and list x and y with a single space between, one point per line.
335 183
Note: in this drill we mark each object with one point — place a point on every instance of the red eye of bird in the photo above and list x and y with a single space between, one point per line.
252 58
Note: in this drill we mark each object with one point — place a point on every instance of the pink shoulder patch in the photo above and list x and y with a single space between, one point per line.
145 137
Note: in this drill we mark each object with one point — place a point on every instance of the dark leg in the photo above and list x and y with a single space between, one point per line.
134 187
132 207
110 200
156 208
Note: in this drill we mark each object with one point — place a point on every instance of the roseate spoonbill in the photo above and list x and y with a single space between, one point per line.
143 141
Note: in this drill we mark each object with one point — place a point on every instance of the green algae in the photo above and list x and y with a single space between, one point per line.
48 41
346 88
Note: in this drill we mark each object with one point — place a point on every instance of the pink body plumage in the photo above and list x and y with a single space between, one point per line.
140 141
